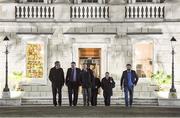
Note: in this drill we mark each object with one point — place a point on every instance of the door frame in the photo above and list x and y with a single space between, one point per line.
103 47
99 49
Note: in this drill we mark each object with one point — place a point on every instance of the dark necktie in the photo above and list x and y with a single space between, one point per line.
72 74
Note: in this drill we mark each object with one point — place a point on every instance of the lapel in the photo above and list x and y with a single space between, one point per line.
132 74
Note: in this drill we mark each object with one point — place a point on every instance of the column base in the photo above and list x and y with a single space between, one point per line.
172 95
6 95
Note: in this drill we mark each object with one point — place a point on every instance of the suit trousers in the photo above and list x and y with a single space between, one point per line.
128 92
86 96
94 93
107 98
73 89
55 90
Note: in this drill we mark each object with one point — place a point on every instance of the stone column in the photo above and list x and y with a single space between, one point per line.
22 1
78 1
155 1
46 1
101 1
133 1
129 1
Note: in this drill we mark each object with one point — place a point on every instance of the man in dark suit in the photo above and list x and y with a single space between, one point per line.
107 84
87 82
56 76
128 80
95 86
73 83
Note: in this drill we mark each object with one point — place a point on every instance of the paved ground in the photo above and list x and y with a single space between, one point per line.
80 111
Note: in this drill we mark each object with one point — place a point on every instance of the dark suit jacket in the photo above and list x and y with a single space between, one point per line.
97 84
87 79
68 76
56 76
107 86
124 78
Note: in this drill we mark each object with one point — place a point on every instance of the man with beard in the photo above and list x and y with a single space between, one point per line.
56 77
128 80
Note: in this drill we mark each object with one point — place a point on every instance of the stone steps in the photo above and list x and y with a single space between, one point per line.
114 101
144 89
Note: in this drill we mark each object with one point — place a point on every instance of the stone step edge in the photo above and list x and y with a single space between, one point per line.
99 104
46 98
119 101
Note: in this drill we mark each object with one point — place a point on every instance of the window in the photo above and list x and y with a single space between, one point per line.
34 60
35 0
90 1
143 0
143 59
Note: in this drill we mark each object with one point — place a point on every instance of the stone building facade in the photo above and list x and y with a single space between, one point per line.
107 33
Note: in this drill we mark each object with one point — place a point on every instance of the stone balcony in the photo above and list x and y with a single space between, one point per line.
26 11
83 12
144 11
93 12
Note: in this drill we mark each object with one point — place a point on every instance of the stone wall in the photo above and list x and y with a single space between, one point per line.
118 47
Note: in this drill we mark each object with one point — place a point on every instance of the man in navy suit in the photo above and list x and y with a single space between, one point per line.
128 80
73 83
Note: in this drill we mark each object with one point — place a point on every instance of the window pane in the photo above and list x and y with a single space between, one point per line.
143 59
34 60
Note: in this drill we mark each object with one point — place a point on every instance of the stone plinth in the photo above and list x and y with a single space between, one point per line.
10 102
169 102
6 95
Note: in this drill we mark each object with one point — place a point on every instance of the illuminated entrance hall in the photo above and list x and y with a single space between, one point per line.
91 56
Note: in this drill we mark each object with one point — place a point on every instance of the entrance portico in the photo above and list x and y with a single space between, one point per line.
100 41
